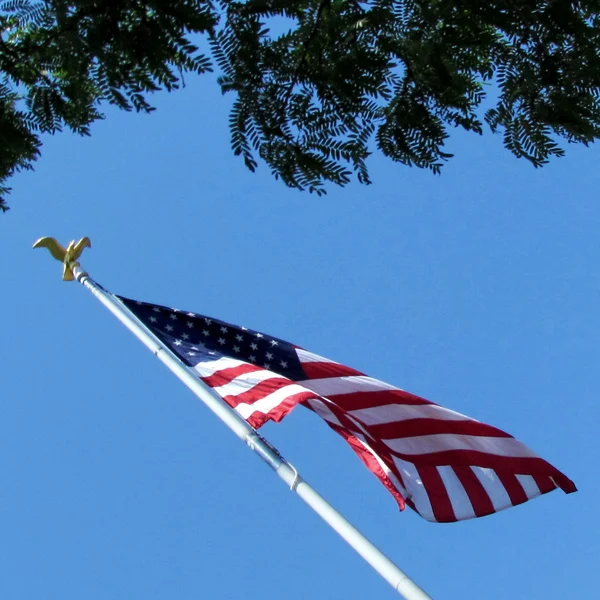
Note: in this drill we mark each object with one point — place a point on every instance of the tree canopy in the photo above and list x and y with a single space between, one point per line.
318 85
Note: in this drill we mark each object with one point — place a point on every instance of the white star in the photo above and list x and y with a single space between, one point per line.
185 336
254 346
274 343
283 363
269 356
190 324
244 329
191 315
239 337
252 358
207 320
175 310
153 319
223 329
259 335
221 341
178 342
172 316
205 332
139 303
267 366
191 354
236 349
194 348
169 328
156 309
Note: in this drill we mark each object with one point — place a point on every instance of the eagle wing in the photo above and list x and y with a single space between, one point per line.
80 246
55 248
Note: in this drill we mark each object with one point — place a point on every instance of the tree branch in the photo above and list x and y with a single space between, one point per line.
306 46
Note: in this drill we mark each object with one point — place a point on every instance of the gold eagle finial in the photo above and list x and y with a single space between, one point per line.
67 256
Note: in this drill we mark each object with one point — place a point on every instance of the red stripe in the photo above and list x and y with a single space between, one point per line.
513 487
563 482
481 502
544 483
364 400
418 427
258 419
438 494
474 458
322 370
228 374
259 391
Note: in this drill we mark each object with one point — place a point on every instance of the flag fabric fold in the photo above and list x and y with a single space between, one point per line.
444 465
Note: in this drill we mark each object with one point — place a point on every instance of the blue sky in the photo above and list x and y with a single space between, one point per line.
477 289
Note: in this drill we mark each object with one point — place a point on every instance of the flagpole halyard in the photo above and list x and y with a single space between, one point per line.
285 471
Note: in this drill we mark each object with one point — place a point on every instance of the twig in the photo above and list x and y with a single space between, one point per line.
309 40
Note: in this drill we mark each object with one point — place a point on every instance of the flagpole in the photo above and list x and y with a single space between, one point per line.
405 586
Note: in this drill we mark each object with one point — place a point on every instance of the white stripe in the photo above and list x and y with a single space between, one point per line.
245 382
268 403
461 503
415 489
330 386
529 485
307 357
493 486
426 444
209 367
323 411
392 413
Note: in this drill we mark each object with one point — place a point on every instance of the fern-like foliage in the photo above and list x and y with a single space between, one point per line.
60 60
318 84
314 100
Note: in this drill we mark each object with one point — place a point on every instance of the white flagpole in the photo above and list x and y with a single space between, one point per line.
405 586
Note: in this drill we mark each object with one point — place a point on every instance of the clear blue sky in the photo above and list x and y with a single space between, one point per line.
477 290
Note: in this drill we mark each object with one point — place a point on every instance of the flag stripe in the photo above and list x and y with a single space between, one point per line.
361 400
271 401
529 485
327 370
512 464
438 494
424 427
428 444
228 374
215 365
545 483
493 488
416 495
258 414
513 487
333 386
393 414
458 494
253 391
477 494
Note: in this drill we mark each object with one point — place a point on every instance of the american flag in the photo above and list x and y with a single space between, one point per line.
444 465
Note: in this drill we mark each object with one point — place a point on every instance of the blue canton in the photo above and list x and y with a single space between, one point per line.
195 338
